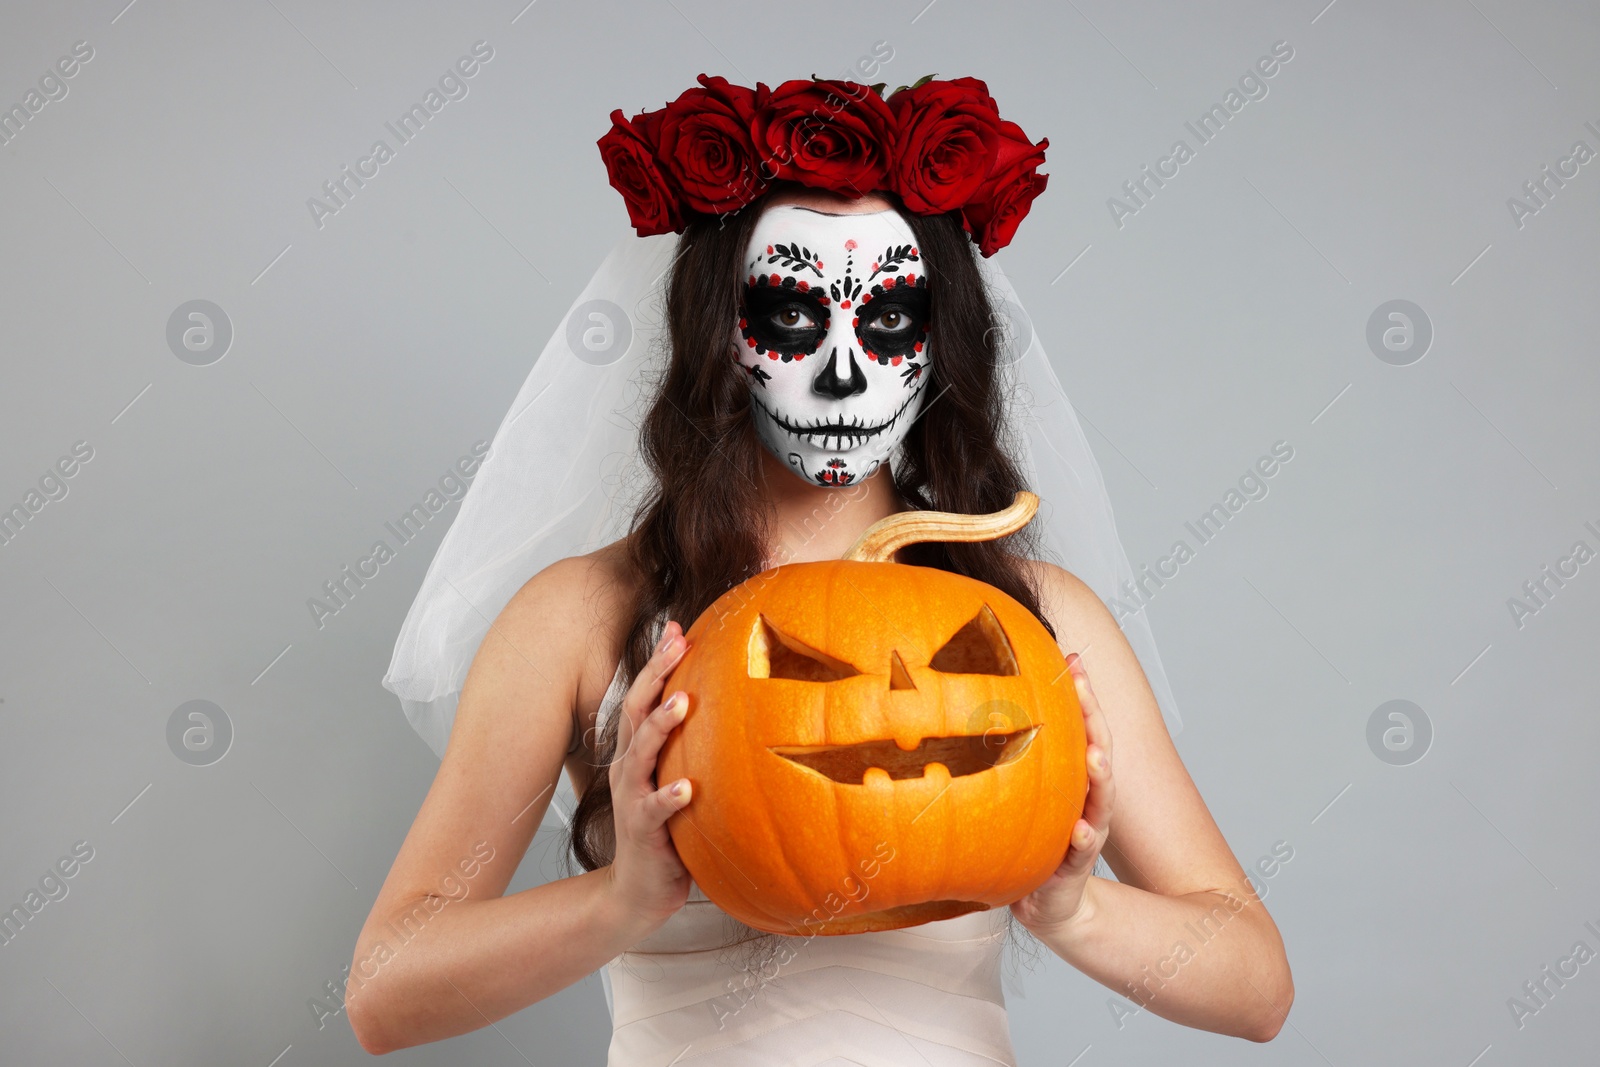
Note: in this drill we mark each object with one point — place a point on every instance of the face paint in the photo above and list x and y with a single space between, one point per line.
833 337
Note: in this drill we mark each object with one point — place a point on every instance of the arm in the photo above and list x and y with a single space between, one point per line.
1181 932
443 952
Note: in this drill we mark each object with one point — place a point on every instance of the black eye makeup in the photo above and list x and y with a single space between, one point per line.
891 321
782 317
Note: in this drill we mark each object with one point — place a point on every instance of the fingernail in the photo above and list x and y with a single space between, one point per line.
671 705
661 645
678 788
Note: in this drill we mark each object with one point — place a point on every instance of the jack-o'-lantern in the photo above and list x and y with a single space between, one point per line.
875 745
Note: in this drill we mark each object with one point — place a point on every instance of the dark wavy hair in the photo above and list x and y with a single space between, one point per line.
702 527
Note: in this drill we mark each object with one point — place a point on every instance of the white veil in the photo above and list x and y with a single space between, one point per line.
563 474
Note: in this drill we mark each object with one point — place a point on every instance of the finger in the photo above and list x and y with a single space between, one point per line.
1084 848
1102 790
640 763
664 801
1097 756
645 692
1097 729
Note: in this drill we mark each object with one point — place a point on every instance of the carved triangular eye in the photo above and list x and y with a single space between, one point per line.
979 647
774 654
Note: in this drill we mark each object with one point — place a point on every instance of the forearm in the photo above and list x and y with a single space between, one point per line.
1211 960
473 962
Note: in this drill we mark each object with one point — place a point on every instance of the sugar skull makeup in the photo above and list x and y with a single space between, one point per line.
833 337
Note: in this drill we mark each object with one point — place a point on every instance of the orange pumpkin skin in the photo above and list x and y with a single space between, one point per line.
786 848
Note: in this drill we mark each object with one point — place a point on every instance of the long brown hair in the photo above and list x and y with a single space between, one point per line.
702 528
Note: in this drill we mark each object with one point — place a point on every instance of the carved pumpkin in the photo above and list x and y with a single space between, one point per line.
875 745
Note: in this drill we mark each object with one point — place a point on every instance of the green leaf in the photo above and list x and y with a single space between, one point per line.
924 80
878 88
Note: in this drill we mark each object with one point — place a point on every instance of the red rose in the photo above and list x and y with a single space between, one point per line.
946 136
1002 201
705 146
629 152
835 135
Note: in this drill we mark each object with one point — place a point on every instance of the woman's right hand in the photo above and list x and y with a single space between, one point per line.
647 876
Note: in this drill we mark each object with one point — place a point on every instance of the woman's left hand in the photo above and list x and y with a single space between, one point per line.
1062 900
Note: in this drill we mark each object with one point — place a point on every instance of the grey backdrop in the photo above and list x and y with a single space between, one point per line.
1229 312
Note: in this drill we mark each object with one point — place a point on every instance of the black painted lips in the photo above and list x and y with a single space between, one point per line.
840 430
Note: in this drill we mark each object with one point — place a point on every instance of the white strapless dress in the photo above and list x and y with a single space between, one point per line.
924 996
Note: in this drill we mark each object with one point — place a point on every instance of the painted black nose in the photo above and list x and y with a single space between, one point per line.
829 383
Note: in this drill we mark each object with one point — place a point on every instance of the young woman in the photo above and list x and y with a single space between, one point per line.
832 358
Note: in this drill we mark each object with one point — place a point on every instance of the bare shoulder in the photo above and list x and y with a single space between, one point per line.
580 605
1073 608
1084 625
577 588
540 674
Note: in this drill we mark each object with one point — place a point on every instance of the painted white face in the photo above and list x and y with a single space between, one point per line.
833 334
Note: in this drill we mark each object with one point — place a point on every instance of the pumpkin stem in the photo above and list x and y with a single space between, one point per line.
879 542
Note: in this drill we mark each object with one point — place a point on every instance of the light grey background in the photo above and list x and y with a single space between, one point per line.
1229 313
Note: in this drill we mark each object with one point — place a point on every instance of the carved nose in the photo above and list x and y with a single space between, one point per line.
899 677
829 382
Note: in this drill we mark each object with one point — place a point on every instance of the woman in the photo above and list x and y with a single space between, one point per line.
863 381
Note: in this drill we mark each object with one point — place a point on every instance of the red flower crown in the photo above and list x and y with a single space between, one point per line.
940 146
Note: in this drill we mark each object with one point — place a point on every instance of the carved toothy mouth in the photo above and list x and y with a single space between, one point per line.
845 434
960 755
